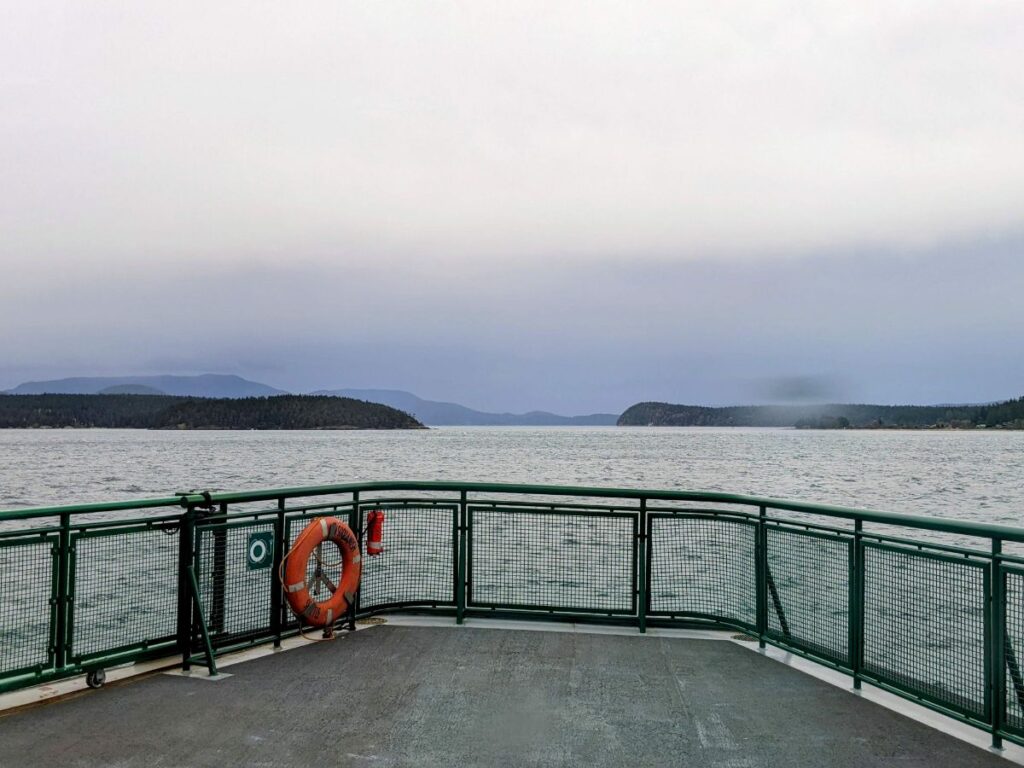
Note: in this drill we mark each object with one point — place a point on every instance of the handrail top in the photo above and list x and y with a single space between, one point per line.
192 498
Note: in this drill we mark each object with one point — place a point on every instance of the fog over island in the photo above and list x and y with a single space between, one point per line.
519 206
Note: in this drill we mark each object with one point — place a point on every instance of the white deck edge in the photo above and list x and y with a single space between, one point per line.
921 714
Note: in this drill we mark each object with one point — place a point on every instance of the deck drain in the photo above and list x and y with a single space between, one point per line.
745 638
372 621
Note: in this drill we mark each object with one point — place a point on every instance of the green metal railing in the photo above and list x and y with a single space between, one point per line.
927 608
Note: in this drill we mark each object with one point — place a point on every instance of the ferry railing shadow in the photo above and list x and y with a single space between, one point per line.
912 610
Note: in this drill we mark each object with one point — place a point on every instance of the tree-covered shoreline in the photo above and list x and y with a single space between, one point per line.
128 411
1004 415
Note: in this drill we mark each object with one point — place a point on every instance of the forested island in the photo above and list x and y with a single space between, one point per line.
1004 415
140 411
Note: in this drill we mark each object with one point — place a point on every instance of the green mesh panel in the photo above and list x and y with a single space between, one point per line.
236 600
1013 667
125 588
703 566
811 574
27 582
924 625
417 565
559 561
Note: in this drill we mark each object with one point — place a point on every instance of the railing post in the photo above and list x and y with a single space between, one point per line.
186 535
995 644
63 589
856 600
355 522
276 601
219 573
460 563
761 575
643 563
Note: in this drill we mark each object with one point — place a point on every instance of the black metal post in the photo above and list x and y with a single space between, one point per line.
186 534
997 644
856 617
276 601
355 522
642 545
460 563
63 588
218 585
760 576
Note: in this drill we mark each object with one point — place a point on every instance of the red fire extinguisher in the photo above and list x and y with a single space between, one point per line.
375 532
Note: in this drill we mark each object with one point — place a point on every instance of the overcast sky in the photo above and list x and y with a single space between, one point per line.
515 205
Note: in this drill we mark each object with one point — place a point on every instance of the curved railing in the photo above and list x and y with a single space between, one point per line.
929 608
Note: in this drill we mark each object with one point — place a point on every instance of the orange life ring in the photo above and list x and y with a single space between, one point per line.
296 588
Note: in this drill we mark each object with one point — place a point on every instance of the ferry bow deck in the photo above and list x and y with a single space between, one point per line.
451 696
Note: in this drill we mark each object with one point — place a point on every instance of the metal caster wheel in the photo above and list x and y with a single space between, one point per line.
96 678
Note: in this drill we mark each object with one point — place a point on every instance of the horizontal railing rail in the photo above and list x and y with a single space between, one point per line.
934 619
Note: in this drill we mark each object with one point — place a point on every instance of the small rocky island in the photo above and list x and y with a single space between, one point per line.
144 411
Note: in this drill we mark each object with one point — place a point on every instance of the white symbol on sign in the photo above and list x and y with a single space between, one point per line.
257 551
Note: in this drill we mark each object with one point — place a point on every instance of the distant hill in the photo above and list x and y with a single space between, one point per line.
1007 415
435 413
165 412
205 385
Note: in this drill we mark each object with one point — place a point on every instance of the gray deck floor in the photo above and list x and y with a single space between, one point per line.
423 696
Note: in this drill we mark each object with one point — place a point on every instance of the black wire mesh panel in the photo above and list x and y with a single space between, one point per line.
703 566
125 585
808 584
235 596
417 565
28 582
1013 648
924 625
565 561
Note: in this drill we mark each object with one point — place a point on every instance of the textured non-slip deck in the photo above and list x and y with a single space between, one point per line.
425 696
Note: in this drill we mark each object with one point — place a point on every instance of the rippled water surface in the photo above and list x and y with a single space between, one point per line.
968 475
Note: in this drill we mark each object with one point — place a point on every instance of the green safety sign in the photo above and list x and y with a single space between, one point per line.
260 550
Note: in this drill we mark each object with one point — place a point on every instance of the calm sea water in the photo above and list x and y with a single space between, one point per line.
967 475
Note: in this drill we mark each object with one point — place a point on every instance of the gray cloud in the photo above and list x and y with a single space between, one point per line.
461 131
571 206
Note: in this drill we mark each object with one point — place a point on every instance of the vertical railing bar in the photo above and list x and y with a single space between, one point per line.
219 573
355 522
851 600
640 556
856 617
186 536
460 564
276 589
760 577
51 656
63 607
995 637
